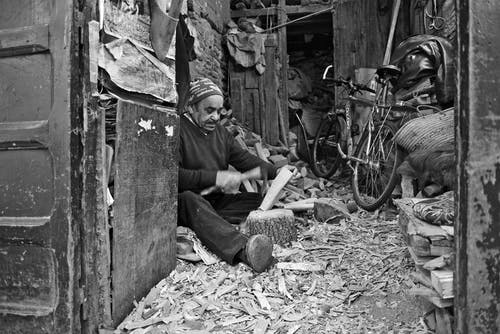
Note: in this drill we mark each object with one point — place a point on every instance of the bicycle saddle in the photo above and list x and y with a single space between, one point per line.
388 71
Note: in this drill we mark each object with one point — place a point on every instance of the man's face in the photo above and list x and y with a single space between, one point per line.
206 113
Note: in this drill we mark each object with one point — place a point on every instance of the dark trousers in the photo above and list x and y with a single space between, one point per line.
212 217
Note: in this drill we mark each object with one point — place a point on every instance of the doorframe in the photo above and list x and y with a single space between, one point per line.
477 240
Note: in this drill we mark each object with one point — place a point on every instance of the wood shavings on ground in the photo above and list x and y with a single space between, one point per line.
347 277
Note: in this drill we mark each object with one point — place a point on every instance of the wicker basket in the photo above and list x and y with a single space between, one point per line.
428 133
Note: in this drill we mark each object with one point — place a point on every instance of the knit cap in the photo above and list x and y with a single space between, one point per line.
202 88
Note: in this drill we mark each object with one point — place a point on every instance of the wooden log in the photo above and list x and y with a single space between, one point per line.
273 193
278 225
302 205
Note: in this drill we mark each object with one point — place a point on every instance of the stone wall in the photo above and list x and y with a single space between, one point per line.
207 21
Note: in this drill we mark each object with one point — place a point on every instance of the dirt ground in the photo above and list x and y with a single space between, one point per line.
353 277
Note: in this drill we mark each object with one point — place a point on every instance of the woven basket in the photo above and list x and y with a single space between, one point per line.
428 133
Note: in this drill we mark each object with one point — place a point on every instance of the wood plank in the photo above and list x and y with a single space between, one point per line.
253 12
96 236
237 101
252 114
252 78
283 88
271 96
294 9
263 116
432 296
442 282
425 239
145 220
24 40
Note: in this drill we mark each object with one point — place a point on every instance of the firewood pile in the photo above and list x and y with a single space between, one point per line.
431 247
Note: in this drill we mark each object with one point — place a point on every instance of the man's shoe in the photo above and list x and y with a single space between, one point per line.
258 252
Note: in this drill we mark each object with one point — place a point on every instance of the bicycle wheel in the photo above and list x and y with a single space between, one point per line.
325 156
374 181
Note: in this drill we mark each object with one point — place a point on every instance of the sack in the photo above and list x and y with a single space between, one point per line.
439 210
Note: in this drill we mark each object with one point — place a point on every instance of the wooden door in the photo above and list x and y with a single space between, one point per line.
39 164
255 99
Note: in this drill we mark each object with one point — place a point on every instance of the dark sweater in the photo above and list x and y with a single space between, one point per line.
202 154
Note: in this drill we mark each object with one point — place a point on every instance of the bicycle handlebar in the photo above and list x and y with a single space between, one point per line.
349 84
341 81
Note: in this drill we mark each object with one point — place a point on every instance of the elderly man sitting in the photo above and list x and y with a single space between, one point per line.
206 150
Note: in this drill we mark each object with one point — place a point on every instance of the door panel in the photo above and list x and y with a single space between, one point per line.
145 209
38 169
26 87
254 97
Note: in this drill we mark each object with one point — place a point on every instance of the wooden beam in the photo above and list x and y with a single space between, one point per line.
289 10
283 105
253 12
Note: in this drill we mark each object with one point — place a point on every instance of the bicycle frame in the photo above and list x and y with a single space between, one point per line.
370 125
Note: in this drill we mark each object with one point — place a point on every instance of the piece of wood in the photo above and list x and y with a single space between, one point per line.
96 236
145 202
419 260
442 281
432 296
93 27
302 205
407 186
301 266
283 75
273 192
269 11
278 225
260 151
390 38
248 186
270 91
422 279
278 160
436 263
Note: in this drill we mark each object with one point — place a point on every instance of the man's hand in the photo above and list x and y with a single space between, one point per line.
228 180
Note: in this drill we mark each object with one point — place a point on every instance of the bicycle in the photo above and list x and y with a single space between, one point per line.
375 157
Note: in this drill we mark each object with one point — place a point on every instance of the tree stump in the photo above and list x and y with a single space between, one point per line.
278 225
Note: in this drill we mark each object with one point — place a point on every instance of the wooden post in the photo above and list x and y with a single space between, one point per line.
477 273
283 110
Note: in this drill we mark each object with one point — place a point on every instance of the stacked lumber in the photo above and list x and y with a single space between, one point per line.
432 249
